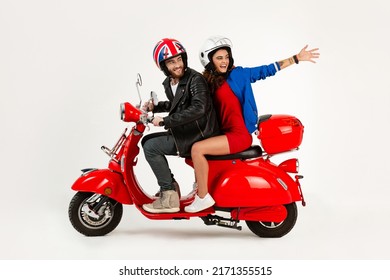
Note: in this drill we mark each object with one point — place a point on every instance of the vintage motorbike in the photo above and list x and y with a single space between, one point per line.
246 186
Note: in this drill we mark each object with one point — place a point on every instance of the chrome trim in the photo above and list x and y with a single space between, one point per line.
122 111
283 184
94 198
85 171
123 163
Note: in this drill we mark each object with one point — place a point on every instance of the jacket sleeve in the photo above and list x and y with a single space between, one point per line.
198 99
261 72
162 106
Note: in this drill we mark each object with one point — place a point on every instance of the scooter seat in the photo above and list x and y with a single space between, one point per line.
251 152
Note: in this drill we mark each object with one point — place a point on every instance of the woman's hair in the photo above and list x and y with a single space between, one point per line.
214 80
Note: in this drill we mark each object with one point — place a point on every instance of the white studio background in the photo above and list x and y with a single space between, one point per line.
65 66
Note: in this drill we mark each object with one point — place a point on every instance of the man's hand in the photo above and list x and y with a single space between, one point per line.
156 121
148 106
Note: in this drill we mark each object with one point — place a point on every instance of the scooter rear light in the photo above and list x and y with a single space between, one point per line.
290 165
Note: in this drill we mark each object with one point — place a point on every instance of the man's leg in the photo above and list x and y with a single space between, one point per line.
155 150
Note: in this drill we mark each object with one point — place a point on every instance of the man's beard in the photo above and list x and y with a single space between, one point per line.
176 76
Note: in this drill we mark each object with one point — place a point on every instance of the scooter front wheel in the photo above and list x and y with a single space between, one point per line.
94 215
272 229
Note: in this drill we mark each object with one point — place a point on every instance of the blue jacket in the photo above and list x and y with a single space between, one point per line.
240 80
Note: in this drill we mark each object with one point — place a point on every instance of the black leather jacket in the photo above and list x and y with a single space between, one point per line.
191 111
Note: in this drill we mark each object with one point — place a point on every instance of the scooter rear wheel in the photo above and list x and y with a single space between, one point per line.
91 223
272 229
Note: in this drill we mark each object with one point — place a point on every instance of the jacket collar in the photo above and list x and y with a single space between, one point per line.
180 90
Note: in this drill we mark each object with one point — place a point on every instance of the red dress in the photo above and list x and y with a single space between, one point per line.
231 120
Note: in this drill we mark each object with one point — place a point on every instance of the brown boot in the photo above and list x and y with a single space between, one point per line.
177 189
167 203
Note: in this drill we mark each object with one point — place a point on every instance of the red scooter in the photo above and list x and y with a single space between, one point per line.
246 185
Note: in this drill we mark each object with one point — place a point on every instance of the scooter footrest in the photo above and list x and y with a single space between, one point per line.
211 220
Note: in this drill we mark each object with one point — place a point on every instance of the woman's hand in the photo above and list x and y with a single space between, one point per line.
308 55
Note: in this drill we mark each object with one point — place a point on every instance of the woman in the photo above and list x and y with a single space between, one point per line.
235 104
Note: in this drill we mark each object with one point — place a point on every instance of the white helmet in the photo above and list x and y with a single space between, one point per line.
212 44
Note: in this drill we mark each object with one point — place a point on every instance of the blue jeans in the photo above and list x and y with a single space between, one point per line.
156 149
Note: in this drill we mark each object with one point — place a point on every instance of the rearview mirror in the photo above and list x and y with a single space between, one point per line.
138 83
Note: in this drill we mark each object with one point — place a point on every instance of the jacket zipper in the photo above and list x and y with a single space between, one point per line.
201 132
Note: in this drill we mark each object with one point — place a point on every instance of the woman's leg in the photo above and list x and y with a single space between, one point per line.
217 145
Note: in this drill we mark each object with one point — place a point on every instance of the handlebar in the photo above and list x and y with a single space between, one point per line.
146 119
136 113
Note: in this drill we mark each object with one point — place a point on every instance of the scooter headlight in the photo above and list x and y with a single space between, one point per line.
122 111
290 165
129 113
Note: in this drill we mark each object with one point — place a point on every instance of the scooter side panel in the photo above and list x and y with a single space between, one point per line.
292 185
105 182
247 185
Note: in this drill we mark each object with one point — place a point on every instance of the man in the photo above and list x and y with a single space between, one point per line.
191 118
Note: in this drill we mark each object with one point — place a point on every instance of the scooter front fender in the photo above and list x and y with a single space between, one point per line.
105 182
